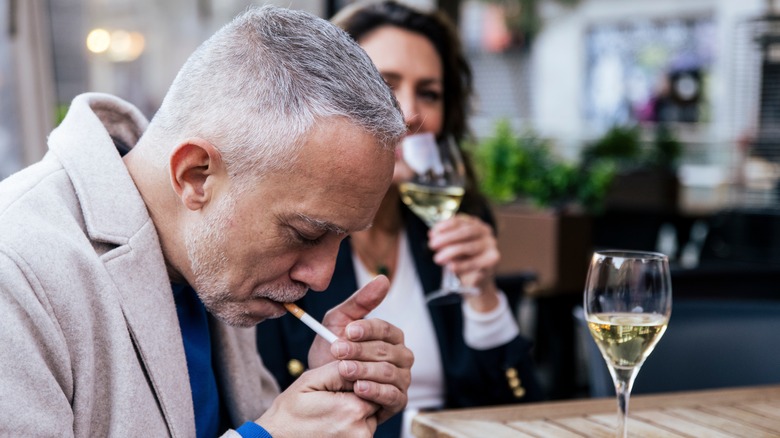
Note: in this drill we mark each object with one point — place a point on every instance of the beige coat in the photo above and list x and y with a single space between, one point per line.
89 339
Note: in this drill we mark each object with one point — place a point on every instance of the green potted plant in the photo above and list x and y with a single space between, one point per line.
645 176
543 205
513 168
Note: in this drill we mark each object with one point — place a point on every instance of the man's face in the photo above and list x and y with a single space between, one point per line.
281 237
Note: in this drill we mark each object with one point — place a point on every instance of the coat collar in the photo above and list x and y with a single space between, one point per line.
114 213
101 180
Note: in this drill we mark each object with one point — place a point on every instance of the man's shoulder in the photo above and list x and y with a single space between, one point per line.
38 211
25 182
31 194
33 191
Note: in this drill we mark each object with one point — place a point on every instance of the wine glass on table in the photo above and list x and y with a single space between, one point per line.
433 189
628 302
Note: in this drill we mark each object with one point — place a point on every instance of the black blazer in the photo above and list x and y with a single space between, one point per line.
499 375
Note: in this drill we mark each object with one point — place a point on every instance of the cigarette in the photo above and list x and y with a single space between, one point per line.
311 322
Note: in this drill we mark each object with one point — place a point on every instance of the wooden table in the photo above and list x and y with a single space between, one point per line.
739 412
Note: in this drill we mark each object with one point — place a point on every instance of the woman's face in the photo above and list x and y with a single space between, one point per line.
411 66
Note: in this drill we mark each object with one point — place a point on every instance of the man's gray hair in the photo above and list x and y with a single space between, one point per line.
258 86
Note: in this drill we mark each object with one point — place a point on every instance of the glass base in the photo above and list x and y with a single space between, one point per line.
448 296
451 289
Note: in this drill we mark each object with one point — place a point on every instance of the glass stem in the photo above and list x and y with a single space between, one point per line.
449 281
624 381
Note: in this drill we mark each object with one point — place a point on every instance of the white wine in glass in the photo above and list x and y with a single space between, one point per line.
431 204
628 302
433 189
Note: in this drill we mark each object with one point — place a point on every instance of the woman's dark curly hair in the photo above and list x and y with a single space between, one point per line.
361 18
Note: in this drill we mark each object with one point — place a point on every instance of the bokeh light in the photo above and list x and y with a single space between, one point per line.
98 40
118 45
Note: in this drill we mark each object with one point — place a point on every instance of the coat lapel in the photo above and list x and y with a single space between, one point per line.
115 216
428 271
246 386
147 303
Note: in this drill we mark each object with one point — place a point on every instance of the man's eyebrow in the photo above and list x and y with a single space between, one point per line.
322 225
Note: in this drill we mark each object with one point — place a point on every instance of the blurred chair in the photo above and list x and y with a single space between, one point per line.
515 285
708 344
747 237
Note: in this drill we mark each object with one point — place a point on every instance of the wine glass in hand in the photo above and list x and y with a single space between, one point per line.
628 301
433 191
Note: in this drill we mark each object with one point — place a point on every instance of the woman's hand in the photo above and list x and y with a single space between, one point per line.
469 246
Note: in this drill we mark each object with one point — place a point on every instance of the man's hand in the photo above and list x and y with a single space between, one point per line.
320 403
371 352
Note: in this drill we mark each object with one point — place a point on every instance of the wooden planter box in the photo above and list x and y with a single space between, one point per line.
555 246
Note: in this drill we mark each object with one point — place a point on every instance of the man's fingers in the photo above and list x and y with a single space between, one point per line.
359 303
389 397
374 330
353 309
325 378
375 360
372 423
331 378
379 372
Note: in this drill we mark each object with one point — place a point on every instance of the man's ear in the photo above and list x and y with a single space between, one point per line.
195 166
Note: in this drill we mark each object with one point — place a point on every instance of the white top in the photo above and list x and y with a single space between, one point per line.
405 308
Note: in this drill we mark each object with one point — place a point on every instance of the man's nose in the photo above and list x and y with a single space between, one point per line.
315 266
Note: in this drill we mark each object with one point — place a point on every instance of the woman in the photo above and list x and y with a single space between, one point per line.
466 354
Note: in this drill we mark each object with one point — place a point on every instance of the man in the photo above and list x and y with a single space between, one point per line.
273 143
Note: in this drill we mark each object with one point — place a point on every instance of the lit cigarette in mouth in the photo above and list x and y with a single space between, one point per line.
311 322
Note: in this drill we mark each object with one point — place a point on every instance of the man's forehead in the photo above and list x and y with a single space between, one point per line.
340 177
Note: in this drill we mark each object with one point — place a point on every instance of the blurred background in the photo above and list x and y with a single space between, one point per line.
643 124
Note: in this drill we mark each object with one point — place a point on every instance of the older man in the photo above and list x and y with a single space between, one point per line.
133 256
